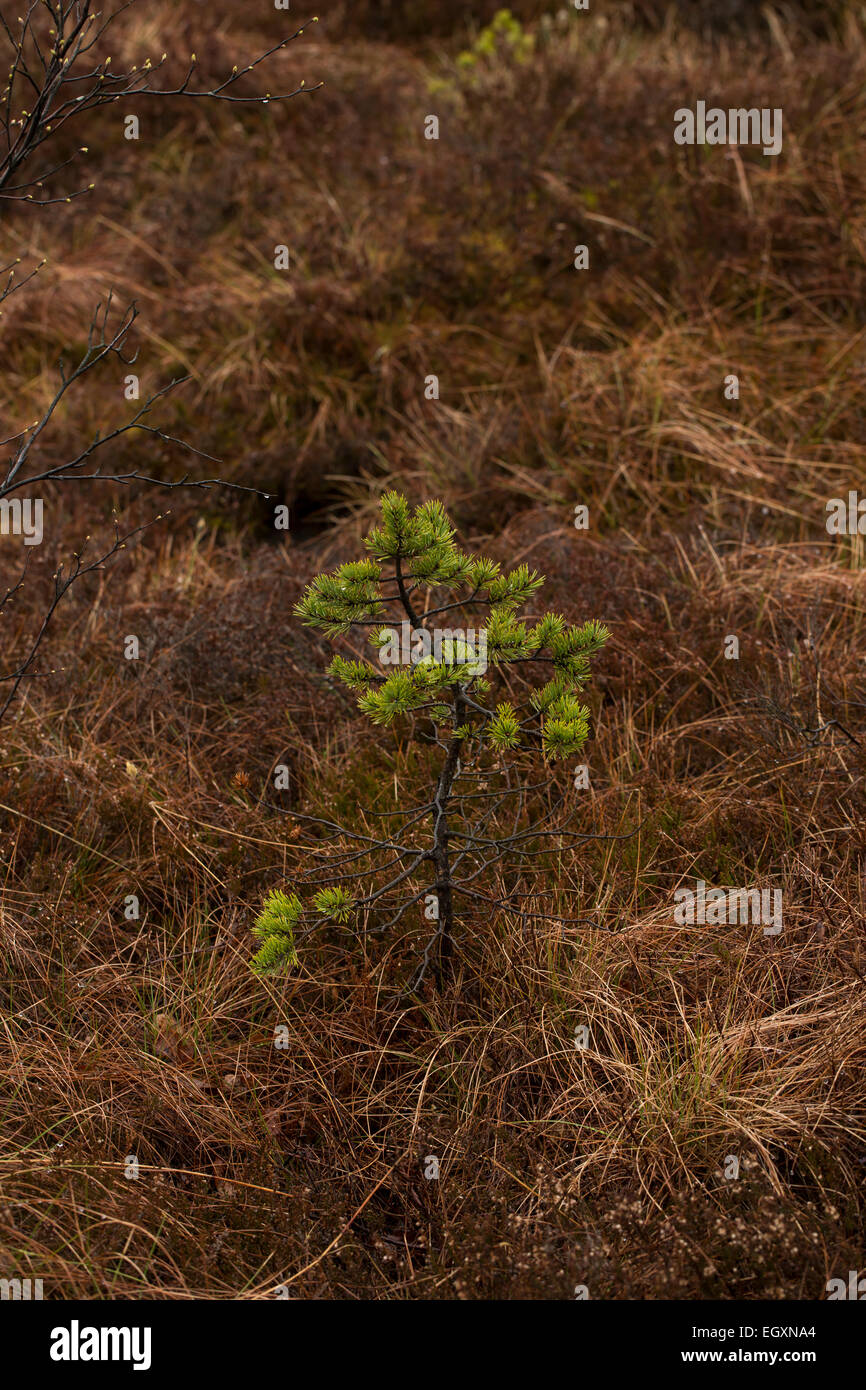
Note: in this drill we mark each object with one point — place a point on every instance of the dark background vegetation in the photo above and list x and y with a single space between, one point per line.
304 1166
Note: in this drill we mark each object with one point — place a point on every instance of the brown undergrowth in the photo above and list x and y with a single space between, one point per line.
303 1165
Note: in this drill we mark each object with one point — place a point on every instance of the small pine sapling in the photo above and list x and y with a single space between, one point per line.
488 695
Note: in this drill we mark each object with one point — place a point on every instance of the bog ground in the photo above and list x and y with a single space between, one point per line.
304 1166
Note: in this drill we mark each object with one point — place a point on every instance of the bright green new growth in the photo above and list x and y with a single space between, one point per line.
416 577
275 928
420 547
503 30
276 924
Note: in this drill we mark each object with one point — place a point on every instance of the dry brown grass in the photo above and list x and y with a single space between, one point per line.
304 1166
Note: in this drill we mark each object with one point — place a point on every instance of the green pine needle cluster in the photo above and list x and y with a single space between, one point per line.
416 549
334 903
275 928
504 729
279 919
336 601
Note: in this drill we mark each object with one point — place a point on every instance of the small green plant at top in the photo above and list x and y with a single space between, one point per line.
505 35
